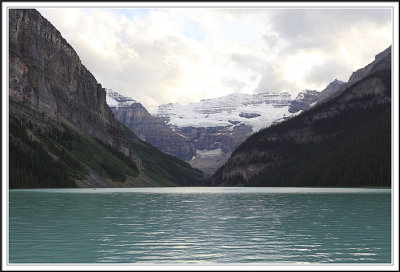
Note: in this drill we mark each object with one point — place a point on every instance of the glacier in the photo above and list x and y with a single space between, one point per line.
228 111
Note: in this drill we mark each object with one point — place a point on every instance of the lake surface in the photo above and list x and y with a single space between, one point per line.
190 225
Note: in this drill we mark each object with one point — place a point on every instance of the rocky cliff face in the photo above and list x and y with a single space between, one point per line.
62 132
147 127
47 75
343 141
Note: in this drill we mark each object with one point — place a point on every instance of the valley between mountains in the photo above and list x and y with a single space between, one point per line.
67 130
206 132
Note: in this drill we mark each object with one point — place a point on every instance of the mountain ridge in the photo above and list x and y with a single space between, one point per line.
343 141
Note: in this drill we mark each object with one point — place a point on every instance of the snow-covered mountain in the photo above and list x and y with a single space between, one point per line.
204 133
217 126
254 110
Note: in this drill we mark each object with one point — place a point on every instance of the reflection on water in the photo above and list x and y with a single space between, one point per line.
200 225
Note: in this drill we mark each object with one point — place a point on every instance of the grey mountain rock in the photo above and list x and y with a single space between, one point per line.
330 90
47 75
147 127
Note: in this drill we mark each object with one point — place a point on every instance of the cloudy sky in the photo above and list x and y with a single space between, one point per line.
163 55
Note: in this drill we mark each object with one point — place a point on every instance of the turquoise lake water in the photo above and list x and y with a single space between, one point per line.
190 225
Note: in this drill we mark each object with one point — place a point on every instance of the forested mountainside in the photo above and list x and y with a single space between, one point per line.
62 133
342 141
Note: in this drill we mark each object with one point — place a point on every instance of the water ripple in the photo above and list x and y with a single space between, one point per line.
223 225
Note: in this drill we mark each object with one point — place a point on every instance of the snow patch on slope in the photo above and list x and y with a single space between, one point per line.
207 153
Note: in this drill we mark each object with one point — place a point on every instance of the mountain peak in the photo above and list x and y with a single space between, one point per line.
384 53
338 81
330 90
114 99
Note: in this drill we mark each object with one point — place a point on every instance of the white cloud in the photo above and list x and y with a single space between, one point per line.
159 55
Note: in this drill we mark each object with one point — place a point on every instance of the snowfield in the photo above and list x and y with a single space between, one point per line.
229 111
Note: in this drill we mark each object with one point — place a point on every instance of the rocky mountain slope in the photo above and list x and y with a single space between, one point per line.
147 127
62 133
330 90
342 141
47 75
